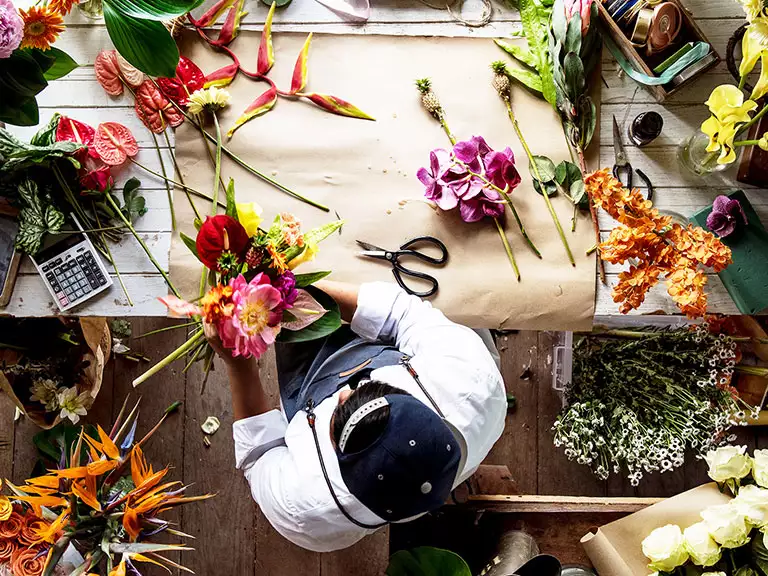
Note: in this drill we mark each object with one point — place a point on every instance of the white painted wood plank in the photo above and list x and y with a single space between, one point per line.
30 298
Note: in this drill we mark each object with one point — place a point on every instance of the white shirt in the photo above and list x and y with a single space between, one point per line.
279 458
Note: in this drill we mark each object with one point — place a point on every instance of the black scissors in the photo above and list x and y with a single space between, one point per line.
393 256
622 169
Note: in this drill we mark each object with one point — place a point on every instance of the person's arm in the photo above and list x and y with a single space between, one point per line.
345 295
248 397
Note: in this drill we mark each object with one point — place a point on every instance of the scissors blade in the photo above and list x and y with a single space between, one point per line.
369 247
619 154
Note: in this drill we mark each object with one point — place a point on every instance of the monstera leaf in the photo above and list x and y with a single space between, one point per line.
427 561
36 219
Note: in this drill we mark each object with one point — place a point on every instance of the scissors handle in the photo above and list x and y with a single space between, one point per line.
406 250
398 270
623 173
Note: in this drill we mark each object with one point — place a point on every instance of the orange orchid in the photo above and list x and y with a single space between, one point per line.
661 248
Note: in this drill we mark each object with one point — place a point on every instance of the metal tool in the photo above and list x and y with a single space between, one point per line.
406 250
622 169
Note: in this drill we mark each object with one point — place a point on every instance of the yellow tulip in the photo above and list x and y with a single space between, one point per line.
727 104
761 88
249 215
309 253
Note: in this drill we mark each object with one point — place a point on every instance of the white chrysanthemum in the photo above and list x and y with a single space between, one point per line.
72 404
209 99
44 390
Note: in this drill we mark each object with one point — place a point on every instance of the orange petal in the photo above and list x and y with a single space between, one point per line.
81 491
102 467
109 447
77 472
47 481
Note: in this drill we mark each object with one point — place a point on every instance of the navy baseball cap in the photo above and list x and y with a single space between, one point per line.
411 468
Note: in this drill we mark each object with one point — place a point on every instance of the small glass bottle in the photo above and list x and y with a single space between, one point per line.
645 128
93 9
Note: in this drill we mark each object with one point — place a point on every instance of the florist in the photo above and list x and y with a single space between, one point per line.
379 422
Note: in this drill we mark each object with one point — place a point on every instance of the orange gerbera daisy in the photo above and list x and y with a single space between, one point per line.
63 7
41 27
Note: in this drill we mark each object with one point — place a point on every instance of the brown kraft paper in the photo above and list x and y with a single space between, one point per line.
366 171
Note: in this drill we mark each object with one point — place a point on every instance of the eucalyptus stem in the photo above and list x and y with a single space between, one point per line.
512 208
141 242
507 247
537 175
181 176
165 177
111 258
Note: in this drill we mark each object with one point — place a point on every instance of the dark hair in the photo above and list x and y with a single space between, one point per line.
371 427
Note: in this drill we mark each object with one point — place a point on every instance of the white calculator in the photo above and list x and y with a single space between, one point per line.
71 268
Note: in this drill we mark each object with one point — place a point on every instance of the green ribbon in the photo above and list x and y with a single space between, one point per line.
698 52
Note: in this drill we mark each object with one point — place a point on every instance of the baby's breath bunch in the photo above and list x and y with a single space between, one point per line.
637 405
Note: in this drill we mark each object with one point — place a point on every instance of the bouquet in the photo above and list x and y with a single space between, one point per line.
639 400
655 247
52 367
255 297
731 538
103 505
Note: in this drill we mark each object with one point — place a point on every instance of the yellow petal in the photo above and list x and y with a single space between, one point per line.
711 127
725 139
249 215
761 88
725 95
307 255
751 47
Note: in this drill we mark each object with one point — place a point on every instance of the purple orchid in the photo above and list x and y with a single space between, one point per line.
437 189
482 206
501 170
472 152
286 284
727 214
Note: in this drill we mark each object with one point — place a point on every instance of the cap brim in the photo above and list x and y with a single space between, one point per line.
462 446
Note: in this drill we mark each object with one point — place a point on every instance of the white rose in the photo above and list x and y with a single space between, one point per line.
702 548
728 462
752 503
664 548
714 574
760 467
727 525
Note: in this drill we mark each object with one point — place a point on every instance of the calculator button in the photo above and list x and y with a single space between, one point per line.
102 280
64 301
57 262
50 277
45 268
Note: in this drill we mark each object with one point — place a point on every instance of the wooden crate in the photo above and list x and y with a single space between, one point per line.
689 32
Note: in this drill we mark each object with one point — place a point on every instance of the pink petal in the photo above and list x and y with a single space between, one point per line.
179 307
306 310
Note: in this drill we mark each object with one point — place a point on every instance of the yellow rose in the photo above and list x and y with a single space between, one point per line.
728 462
249 215
727 525
6 508
664 548
309 253
702 549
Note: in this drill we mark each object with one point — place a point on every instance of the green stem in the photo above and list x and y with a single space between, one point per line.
181 176
551 209
755 119
111 258
447 130
742 82
127 222
190 344
166 329
217 168
512 208
165 177
746 143
573 218
170 180
752 370
507 247
247 166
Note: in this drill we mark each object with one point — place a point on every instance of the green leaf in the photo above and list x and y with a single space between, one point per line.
427 561
588 120
25 114
21 74
327 324
20 155
559 23
519 53
579 194
567 173
535 19
63 65
146 44
36 219
190 243
573 36
152 9
527 78
574 76
135 204
231 205
546 169
44 58
55 555
46 136
304 280
550 187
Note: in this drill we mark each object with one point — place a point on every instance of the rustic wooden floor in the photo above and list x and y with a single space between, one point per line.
234 538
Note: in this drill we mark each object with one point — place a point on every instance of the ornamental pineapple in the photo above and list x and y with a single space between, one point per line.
429 99
501 81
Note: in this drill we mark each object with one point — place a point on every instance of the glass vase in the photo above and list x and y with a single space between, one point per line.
93 9
693 156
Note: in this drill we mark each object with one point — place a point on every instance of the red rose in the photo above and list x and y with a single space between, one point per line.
220 234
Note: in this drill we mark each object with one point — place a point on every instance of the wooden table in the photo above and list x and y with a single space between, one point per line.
79 95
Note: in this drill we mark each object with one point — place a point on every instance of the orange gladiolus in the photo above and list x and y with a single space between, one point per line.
28 562
10 528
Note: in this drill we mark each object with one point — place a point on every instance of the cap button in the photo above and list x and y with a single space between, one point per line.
426 488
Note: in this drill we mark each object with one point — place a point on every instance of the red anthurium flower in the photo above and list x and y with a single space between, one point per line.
71 130
217 235
108 72
188 79
114 143
154 109
97 176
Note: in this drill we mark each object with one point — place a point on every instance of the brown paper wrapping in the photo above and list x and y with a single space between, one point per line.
366 171
616 548
98 338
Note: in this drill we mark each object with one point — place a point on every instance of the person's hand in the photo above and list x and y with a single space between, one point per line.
212 335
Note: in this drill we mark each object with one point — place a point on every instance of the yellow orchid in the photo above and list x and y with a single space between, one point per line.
761 88
727 104
763 142
751 48
752 8
721 138
249 215
759 29
307 255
